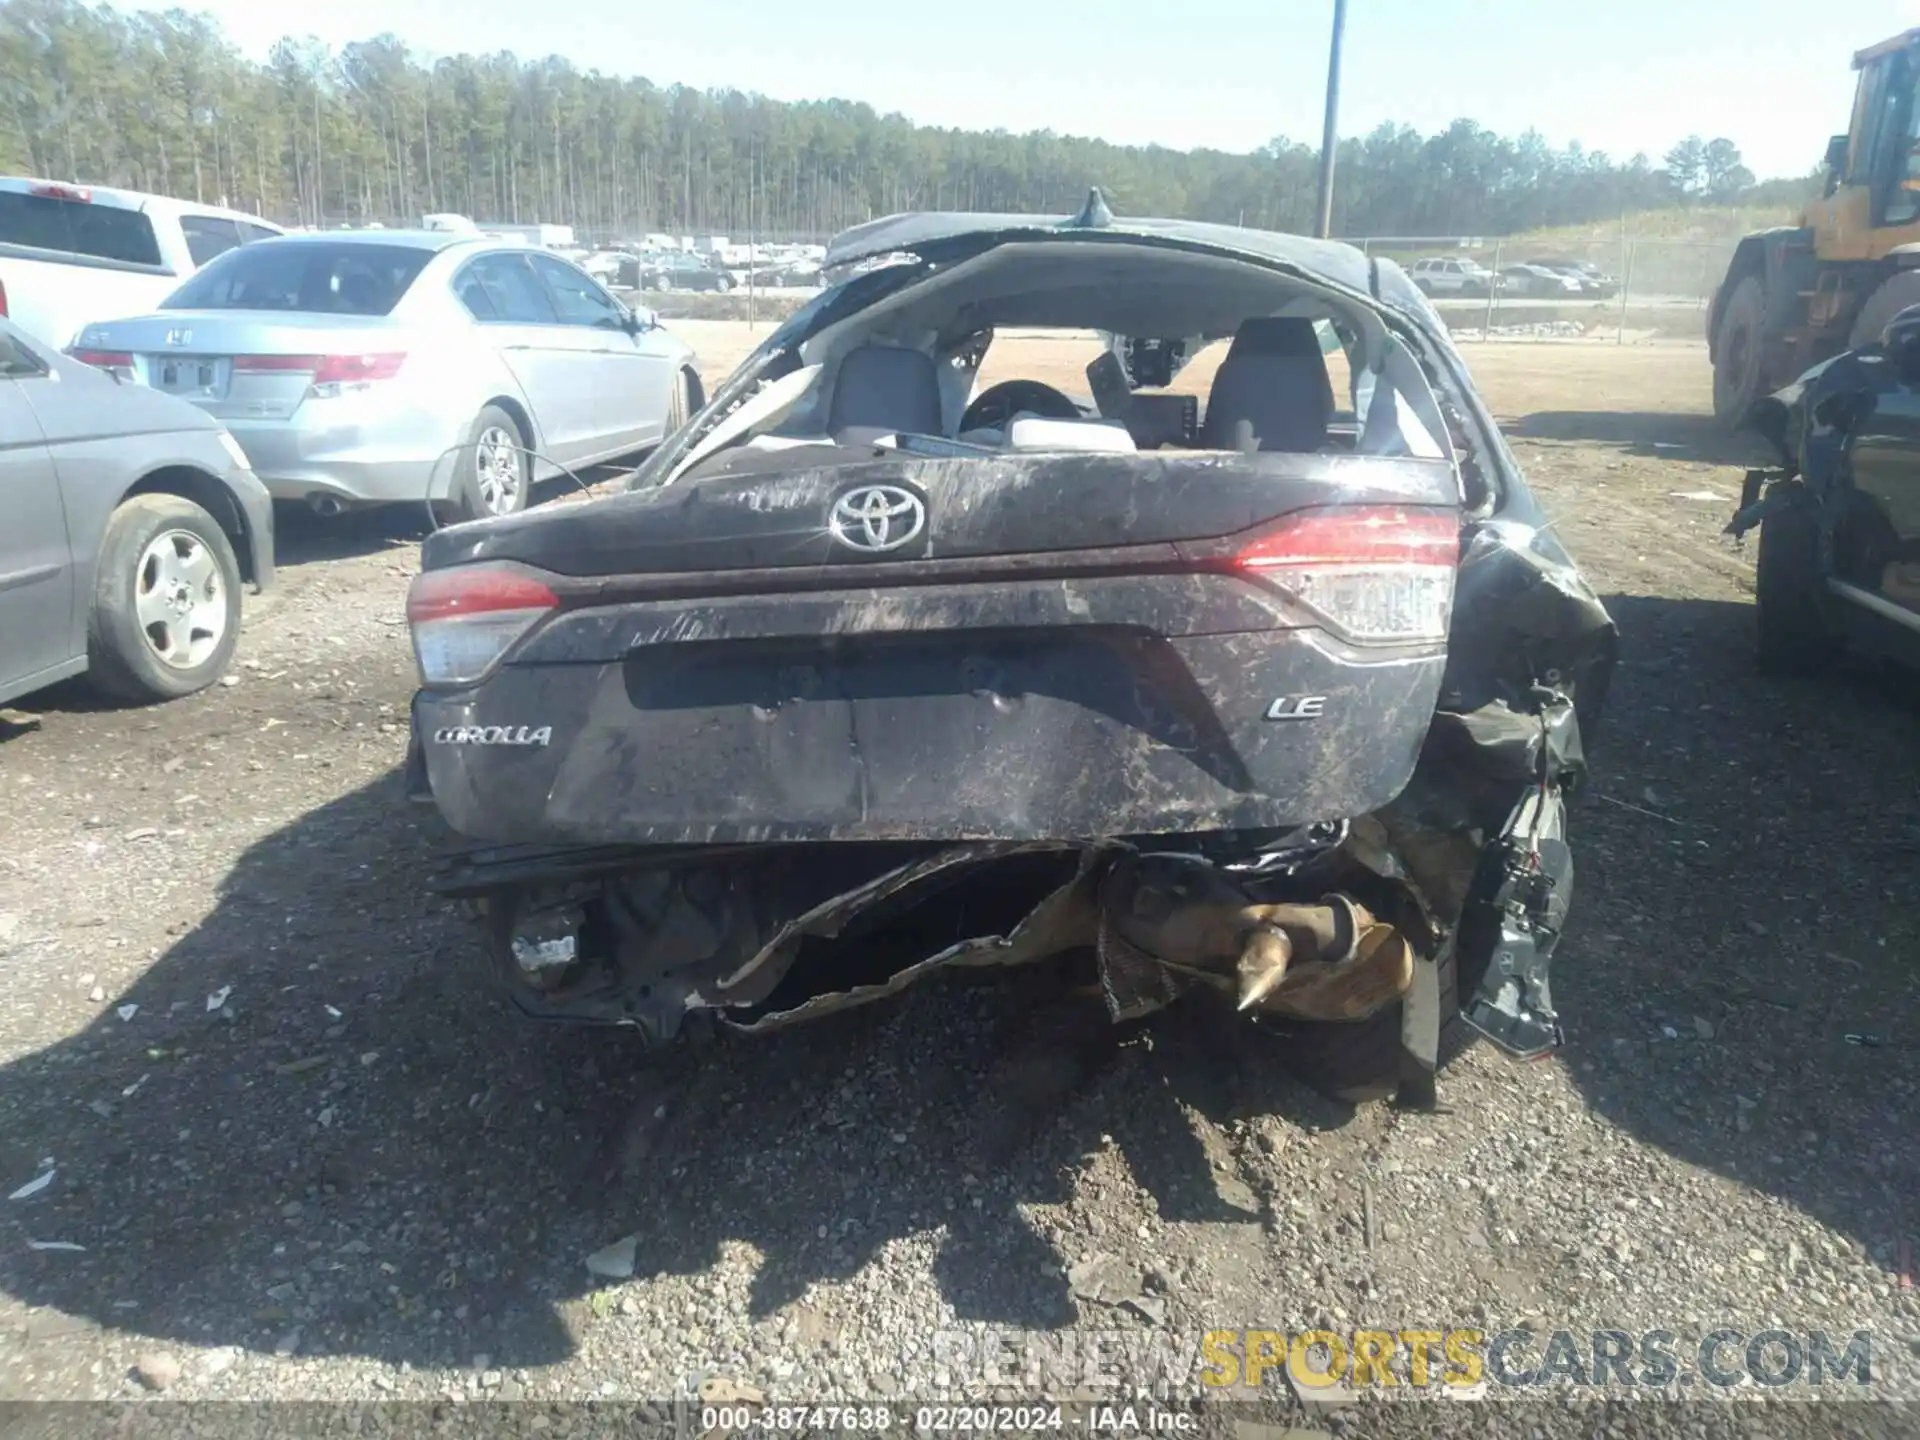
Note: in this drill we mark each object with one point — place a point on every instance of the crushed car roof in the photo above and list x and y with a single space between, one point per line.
912 233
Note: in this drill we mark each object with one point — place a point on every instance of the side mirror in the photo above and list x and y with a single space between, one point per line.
640 319
1837 154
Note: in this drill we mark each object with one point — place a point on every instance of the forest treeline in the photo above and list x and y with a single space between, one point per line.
162 101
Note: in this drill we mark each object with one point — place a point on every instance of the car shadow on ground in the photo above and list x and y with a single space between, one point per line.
355 1151
1658 434
1740 980
319 1131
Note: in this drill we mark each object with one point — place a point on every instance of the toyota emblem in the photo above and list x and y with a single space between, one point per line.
876 518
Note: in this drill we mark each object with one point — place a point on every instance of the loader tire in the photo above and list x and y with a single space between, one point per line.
1739 372
1897 293
1793 611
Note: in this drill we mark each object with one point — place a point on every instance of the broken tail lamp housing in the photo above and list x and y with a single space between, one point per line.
1378 574
464 619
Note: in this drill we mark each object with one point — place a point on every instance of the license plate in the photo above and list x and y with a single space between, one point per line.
193 377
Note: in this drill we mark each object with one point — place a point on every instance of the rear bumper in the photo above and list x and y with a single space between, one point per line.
372 459
944 736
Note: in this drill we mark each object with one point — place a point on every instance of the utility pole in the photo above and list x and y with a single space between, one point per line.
1330 137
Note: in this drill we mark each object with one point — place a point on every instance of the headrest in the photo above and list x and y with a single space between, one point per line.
1279 335
888 387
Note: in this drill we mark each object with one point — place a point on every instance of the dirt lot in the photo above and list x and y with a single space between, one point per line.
354 1178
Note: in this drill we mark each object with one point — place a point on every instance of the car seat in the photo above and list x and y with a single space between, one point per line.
1272 392
360 293
884 390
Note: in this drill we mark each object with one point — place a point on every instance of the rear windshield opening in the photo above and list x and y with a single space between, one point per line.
304 278
78 227
1114 347
1061 358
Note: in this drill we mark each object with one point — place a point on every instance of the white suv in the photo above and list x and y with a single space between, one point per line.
1437 276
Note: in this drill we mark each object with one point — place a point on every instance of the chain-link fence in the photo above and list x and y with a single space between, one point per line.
1621 291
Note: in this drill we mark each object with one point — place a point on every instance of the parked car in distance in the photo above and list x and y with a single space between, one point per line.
1591 278
72 254
393 366
1538 280
679 270
1839 518
132 521
1445 275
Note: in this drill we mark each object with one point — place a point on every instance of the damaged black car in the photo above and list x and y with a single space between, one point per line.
1839 516
1276 693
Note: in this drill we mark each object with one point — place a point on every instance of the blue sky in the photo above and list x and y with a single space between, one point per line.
1619 76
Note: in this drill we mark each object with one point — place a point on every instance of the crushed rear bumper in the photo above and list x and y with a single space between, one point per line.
1458 851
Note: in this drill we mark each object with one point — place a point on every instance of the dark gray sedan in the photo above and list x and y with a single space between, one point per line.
132 522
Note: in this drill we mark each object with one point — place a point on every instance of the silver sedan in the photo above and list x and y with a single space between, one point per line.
132 523
386 366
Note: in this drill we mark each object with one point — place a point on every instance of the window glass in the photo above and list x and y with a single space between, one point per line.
1879 105
501 289
250 232
576 299
208 236
304 276
1903 203
79 227
17 362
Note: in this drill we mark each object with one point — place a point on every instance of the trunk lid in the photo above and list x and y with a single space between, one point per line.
242 365
1065 646
776 509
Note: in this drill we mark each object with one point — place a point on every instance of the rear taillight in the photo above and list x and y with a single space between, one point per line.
1376 573
330 374
114 362
464 619
3 299
352 369
73 194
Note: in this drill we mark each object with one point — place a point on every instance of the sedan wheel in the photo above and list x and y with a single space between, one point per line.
180 600
166 604
499 472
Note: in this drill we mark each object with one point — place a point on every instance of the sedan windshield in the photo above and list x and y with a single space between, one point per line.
304 277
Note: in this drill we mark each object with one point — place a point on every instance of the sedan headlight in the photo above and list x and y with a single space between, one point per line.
232 447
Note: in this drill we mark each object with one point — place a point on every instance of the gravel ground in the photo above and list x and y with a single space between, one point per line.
316 1163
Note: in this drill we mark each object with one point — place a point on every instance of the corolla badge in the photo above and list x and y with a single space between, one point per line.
493 735
875 518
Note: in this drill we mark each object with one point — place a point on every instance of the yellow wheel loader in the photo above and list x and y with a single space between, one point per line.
1796 295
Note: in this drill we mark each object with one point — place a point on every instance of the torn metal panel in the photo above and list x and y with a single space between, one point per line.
1062 921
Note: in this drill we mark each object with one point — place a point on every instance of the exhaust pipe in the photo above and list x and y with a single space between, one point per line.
326 506
1325 960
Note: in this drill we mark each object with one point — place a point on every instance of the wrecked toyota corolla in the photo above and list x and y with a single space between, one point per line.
874 671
